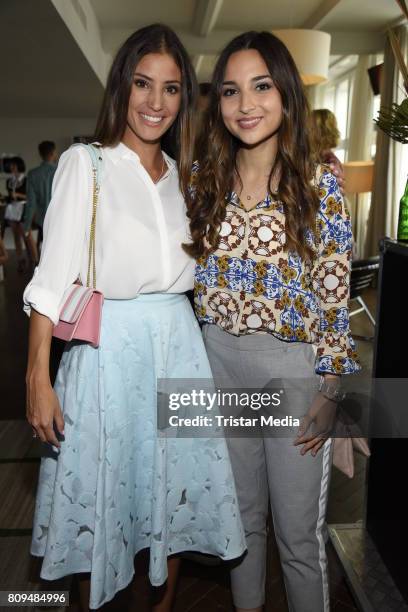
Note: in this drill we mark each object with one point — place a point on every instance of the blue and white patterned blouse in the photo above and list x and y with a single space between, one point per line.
251 284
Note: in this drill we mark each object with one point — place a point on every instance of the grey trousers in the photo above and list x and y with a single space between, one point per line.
272 468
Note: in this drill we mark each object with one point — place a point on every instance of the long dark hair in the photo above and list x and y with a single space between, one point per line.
217 166
179 139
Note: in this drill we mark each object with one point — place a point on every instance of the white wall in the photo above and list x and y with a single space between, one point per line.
21 136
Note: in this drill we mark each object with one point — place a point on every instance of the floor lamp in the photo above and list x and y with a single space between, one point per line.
359 176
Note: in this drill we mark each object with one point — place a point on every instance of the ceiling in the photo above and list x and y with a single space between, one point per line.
204 26
245 15
123 13
362 15
44 72
56 52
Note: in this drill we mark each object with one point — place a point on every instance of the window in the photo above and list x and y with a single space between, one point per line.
376 108
379 58
338 96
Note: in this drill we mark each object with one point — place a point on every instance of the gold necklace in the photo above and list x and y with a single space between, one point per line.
162 170
249 197
273 191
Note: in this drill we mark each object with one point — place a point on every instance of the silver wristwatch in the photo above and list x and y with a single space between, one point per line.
331 390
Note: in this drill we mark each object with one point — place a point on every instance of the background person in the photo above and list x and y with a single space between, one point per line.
39 184
14 215
324 133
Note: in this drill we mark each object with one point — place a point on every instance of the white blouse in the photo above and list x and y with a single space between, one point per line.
140 227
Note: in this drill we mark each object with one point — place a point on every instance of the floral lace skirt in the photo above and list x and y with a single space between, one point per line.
115 486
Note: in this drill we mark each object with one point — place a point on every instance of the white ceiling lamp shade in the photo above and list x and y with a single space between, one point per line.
311 51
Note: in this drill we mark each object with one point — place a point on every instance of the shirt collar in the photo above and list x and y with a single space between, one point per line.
121 151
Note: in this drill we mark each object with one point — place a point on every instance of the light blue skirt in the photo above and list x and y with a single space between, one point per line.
115 487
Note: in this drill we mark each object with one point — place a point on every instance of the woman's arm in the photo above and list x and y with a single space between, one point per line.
21 192
42 406
19 196
65 227
336 351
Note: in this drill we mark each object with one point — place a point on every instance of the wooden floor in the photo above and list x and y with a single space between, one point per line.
201 588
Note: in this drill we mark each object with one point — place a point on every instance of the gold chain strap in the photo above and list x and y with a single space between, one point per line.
91 254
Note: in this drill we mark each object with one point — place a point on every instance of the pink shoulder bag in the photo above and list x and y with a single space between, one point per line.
81 313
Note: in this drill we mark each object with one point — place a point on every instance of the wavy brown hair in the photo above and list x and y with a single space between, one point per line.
111 123
218 164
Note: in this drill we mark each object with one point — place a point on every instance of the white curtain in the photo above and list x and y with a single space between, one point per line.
359 149
360 133
391 162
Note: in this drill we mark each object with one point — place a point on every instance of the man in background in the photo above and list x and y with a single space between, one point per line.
39 183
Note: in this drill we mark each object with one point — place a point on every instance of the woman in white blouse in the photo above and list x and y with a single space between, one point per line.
112 486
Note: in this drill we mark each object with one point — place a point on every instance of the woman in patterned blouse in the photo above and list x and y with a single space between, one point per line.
272 239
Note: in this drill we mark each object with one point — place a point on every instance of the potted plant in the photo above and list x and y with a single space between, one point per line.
394 122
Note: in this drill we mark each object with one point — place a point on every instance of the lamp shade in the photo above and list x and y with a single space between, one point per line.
311 51
358 176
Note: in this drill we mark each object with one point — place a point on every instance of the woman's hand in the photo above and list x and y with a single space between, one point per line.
42 406
316 425
328 157
42 409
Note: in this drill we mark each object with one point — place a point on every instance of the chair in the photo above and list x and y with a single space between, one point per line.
363 273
